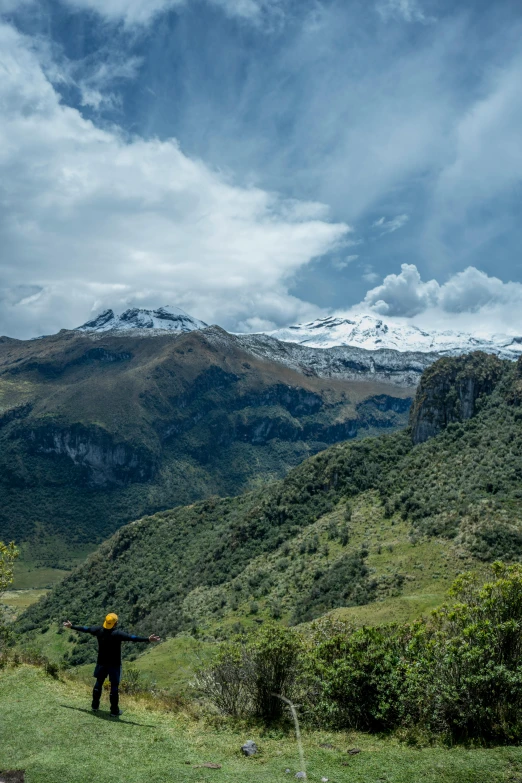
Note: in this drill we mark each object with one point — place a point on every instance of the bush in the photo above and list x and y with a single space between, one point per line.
249 676
132 681
224 683
458 674
354 678
464 678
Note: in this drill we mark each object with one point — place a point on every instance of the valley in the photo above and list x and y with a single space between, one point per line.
260 391
97 430
372 530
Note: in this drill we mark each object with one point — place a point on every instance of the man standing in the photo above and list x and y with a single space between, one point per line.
109 656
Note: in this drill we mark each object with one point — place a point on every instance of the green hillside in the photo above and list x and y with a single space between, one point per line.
369 523
96 432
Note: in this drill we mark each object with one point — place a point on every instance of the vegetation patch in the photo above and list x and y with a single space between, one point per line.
346 583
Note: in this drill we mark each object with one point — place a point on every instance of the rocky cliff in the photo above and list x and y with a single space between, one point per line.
449 391
400 368
101 457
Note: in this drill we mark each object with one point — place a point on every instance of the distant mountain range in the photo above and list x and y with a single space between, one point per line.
361 331
153 409
371 333
120 418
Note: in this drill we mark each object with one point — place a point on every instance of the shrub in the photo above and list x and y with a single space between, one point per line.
464 678
132 681
248 676
458 674
354 678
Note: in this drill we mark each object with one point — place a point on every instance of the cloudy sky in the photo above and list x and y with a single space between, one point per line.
261 162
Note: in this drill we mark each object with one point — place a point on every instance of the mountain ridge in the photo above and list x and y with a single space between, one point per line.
97 429
362 330
371 332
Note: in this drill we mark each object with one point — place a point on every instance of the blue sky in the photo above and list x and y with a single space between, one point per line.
260 162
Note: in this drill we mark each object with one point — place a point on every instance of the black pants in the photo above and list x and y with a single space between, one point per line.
114 674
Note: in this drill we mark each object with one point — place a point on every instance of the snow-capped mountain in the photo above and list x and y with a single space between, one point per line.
371 333
170 319
359 331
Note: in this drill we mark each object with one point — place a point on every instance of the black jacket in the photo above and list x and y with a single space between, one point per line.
109 642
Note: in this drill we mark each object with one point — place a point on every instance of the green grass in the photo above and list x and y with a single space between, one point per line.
48 730
33 578
30 572
403 609
18 600
171 665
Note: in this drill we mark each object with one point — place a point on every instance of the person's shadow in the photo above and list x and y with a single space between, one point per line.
106 716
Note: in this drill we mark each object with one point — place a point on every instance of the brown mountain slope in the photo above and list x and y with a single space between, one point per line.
95 431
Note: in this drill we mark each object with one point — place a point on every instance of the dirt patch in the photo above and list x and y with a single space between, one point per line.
12 776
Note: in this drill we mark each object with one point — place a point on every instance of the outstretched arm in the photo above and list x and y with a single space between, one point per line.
129 637
81 628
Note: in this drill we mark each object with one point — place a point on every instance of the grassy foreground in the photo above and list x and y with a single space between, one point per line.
48 730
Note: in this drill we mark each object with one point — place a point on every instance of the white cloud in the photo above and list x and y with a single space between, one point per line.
483 173
408 10
130 11
142 12
404 294
472 291
96 80
93 218
342 263
389 226
251 9
471 298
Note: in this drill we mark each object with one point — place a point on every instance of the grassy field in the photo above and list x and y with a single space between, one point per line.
31 574
18 600
48 730
172 664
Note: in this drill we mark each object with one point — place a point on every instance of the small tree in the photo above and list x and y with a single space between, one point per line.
8 554
344 535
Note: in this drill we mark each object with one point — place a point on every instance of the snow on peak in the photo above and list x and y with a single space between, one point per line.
170 319
371 333
358 331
